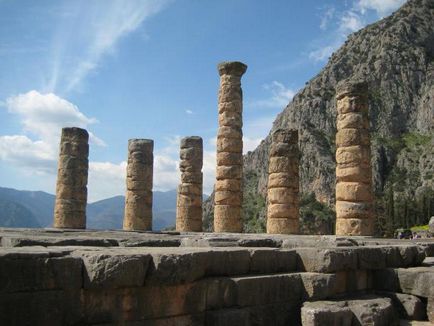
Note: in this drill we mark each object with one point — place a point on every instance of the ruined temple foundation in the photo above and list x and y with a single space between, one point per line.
354 197
71 187
138 199
283 180
189 198
229 174
85 277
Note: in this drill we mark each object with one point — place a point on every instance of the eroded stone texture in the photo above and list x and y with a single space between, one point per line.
138 198
354 198
189 200
71 187
283 179
228 188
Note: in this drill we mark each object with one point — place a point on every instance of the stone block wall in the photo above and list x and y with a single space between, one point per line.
95 285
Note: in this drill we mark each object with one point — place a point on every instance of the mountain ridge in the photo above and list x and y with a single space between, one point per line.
24 208
396 57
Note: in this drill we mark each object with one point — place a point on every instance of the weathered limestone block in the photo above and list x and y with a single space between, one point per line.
54 307
180 265
365 310
184 320
354 197
430 309
138 198
329 313
350 281
189 199
112 268
270 260
318 286
413 280
266 289
71 187
228 195
375 311
122 305
326 260
408 306
283 183
371 257
232 316
38 272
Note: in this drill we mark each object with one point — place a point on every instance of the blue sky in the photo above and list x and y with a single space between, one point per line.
147 69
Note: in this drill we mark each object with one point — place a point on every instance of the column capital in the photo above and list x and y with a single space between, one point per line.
231 68
137 144
285 136
75 133
351 87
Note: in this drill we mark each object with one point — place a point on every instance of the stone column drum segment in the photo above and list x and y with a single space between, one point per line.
189 199
138 199
354 197
71 187
229 174
283 183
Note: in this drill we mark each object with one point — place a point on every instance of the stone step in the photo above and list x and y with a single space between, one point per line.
362 310
415 280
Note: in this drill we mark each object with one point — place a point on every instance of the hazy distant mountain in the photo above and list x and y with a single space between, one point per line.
20 208
40 205
16 215
108 213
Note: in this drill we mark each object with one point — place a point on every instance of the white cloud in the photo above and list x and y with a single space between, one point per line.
77 49
322 54
189 111
106 180
280 96
166 172
327 15
255 130
34 156
249 144
350 21
44 115
382 7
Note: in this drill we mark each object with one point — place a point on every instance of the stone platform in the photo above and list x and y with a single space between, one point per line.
59 277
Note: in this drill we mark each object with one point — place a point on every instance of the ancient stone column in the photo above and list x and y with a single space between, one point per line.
71 187
354 197
283 180
189 199
228 188
138 199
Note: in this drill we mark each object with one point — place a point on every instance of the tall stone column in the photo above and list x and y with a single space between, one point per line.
138 199
228 188
189 199
283 183
354 197
71 187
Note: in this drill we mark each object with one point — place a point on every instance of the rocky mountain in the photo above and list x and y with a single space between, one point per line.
35 209
396 57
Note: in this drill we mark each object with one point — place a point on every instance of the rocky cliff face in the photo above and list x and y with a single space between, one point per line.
396 57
